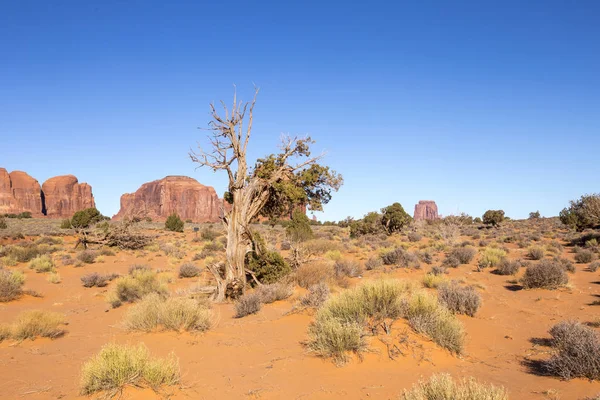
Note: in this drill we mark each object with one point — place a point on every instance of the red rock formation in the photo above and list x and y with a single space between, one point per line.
64 196
180 194
19 192
426 209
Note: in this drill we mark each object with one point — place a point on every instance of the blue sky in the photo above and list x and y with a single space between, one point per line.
475 105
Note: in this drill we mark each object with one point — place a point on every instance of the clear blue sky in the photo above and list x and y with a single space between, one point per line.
475 105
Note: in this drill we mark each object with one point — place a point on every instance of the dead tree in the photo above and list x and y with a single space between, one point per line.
280 180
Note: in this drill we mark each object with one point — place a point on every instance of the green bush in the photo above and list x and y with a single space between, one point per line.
394 218
493 217
370 224
267 266
65 224
534 215
299 229
174 223
3 224
582 213
86 218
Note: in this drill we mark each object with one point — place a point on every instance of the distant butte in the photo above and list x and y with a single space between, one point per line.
426 210
58 197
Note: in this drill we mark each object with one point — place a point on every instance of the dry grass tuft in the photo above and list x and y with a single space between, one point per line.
173 313
117 366
443 387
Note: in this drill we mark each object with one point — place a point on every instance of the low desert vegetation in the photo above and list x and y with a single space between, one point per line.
341 324
548 274
87 256
577 351
96 279
536 252
42 263
32 324
174 223
117 366
11 285
172 313
427 316
459 299
443 387
491 257
249 303
189 270
133 287
317 295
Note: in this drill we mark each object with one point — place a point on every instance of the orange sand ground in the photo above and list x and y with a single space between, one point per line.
261 356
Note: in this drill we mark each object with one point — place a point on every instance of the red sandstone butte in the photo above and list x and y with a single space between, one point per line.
426 210
19 193
180 194
64 195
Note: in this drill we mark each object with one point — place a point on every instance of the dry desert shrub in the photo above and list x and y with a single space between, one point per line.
443 387
340 323
427 316
401 258
87 256
373 263
584 256
491 257
459 299
117 366
317 295
54 277
249 303
11 284
594 266
97 280
42 263
135 286
347 268
34 323
536 252
548 274
274 292
577 351
463 254
312 273
508 267
189 270
432 280
172 313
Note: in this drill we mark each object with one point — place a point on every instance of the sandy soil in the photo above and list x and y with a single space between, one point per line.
262 356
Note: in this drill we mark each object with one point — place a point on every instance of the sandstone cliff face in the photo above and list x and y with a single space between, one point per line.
58 197
180 194
426 209
19 192
64 196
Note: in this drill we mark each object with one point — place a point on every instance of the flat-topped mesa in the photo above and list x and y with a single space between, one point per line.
64 195
426 210
180 194
19 193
